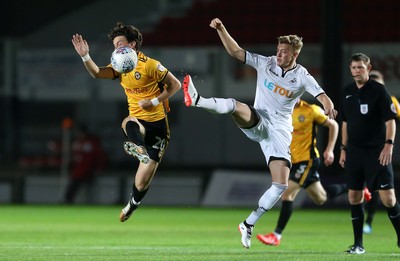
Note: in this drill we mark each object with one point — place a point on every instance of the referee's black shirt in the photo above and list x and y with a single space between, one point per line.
366 111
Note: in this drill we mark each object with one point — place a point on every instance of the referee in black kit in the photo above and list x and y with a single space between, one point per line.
368 132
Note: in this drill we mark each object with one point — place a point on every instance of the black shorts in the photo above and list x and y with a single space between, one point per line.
157 138
305 173
362 168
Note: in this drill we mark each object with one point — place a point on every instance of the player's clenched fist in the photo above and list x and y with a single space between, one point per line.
216 24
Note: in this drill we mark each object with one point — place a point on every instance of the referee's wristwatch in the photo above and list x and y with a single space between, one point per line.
389 141
343 147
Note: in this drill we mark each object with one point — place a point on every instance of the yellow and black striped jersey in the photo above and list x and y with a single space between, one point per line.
145 82
305 118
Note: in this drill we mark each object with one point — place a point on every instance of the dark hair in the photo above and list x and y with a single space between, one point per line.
360 57
130 32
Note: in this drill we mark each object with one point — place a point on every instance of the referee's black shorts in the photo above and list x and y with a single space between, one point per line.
362 168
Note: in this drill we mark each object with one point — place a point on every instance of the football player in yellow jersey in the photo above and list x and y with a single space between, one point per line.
371 205
147 88
305 159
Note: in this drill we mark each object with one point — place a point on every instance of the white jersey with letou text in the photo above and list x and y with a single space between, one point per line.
277 92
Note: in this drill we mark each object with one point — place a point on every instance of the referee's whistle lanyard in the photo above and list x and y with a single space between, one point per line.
363 107
358 94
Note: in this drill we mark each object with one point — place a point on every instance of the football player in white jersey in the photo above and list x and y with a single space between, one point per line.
280 82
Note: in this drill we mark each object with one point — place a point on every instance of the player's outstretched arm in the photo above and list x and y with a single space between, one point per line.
80 45
82 48
229 43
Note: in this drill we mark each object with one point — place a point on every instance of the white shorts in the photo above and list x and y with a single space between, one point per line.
273 134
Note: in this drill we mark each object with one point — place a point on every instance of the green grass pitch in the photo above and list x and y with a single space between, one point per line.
72 233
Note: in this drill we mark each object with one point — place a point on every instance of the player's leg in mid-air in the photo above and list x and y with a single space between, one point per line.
153 144
248 119
135 132
140 186
213 105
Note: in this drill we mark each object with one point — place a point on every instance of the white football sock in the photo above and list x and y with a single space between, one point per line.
133 202
266 202
217 105
278 236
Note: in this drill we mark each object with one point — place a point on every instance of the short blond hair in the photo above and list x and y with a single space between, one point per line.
295 41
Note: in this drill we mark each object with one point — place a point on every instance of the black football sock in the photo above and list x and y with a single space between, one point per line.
394 216
138 195
247 224
284 216
357 218
133 133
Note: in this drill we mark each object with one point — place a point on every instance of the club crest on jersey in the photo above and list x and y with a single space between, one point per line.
278 89
138 75
364 108
293 81
301 118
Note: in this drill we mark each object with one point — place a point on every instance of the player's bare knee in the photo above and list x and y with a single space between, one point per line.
132 119
126 120
123 124
389 201
320 201
287 197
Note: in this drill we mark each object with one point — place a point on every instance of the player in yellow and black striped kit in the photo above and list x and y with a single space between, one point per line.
306 160
147 89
